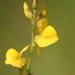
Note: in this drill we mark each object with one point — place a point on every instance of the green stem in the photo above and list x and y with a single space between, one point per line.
31 55
32 46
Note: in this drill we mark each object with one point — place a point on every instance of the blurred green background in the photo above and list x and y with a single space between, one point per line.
15 32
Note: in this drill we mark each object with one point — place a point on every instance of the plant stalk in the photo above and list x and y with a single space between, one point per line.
32 45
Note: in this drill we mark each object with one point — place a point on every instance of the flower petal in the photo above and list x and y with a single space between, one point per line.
43 42
49 32
24 49
12 54
42 24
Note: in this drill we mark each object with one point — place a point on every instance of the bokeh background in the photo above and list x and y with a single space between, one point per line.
15 32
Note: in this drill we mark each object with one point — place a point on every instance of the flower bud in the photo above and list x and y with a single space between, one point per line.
42 12
35 4
27 11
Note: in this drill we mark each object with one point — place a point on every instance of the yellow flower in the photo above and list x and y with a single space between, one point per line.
14 58
47 37
27 11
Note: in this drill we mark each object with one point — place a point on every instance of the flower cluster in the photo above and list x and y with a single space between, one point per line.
47 35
